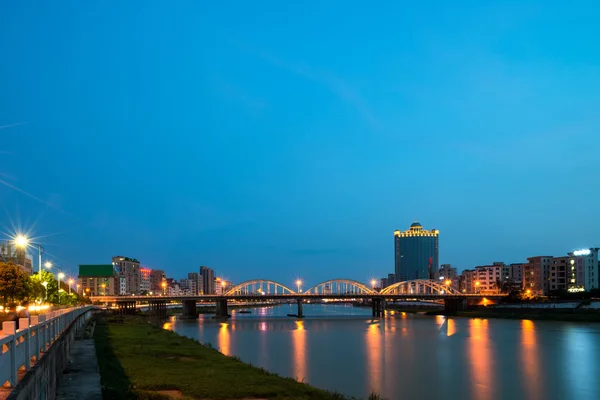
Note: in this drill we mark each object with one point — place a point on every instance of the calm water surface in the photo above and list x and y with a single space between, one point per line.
341 348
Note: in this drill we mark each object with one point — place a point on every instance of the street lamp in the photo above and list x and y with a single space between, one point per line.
448 282
22 241
373 283
45 284
60 275
164 286
477 283
298 283
71 281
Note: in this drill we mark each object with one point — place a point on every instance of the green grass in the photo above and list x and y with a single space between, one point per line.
136 359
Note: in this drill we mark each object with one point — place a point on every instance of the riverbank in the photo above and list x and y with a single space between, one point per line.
139 360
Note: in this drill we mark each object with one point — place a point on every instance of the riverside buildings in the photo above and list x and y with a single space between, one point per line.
207 280
416 254
129 268
539 276
98 280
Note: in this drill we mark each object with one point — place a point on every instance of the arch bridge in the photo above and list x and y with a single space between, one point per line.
340 286
418 287
333 289
260 287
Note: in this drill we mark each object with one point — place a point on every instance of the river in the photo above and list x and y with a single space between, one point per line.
340 347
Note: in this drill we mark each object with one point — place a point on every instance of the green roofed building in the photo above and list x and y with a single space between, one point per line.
98 280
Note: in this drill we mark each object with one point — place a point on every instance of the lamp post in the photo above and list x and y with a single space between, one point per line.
59 275
164 286
45 284
373 283
22 241
298 284
477 287
71 281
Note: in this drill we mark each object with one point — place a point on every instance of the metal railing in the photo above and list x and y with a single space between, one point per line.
21 348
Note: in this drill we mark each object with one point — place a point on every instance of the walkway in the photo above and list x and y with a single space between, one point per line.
81 378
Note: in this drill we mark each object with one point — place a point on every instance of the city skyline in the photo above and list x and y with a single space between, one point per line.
244 142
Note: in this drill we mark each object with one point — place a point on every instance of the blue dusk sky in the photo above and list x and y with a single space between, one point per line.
285 139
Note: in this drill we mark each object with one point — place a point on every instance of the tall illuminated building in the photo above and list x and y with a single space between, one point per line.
416 253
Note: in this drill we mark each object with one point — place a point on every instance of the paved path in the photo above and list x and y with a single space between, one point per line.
81 378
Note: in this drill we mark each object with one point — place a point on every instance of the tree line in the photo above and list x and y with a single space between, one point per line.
16 286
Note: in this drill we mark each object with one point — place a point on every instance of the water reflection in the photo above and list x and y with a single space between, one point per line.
374 349
299 356
224 339
530 360
581 363
451 327
482 371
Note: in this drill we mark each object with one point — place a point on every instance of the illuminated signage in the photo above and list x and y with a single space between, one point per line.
585 252
575 289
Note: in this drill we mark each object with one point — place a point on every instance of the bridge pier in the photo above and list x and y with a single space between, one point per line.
221 311
126 307
453 305
378 305
300 313
189 309
158 309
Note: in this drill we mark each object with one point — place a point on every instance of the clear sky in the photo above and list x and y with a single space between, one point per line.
284 139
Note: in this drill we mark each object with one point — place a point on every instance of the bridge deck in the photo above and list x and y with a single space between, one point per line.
140 299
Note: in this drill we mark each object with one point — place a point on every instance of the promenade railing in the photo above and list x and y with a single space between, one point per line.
23 343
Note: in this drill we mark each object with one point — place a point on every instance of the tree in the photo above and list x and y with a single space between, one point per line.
51 289
14 283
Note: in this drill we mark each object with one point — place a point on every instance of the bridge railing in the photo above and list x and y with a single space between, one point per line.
21 348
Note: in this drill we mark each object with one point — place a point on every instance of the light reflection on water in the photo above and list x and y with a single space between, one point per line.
410 356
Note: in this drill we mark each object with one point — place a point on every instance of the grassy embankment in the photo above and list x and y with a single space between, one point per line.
139 360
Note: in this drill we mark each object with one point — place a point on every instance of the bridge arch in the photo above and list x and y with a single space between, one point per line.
340 286
259 286
419 286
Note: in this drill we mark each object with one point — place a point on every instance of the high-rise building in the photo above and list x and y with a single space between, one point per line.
516 272
416 253
157 277
207 277
447 272
535 275
586 268
391 279
489 278
194 277
467 281
145 280
130 269
559 274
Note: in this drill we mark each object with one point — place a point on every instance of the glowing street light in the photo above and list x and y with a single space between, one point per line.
164 286
298 283
23 241
448 282
373 283
477 283
71 281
